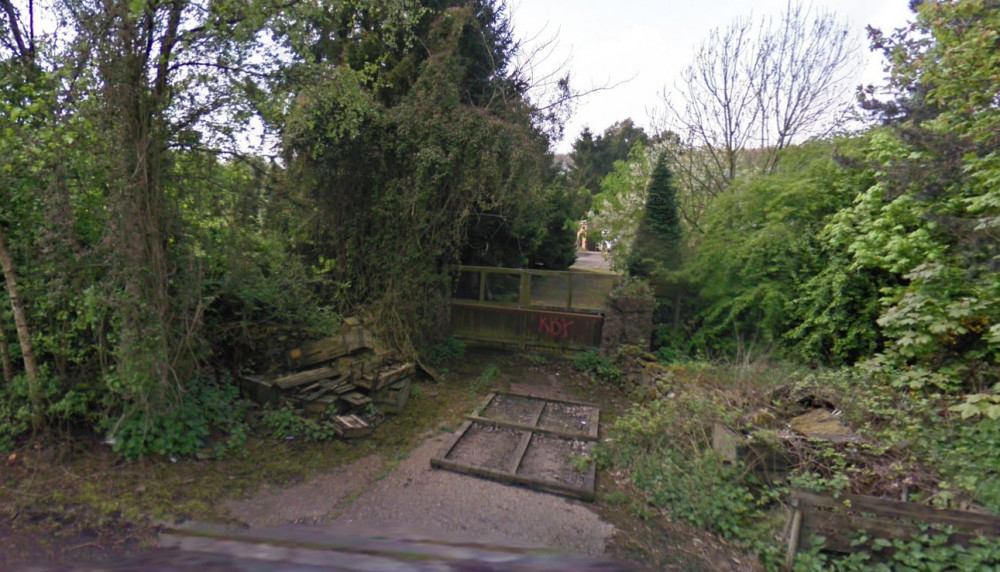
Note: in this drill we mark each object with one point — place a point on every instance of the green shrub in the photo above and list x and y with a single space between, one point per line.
601 367
666 445
64 404
926 553
448 350
286 423
207 409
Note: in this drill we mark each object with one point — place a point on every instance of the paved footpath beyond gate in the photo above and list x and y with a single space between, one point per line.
530 309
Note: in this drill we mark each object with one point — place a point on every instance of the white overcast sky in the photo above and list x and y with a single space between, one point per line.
649 42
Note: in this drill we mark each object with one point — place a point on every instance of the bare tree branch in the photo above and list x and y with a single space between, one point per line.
762 85
24 50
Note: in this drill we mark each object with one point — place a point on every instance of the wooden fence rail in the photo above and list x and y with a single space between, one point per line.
530 309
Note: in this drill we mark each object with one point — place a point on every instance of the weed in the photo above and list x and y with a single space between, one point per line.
580 463
599 366
537 359
485 379
286 423
448 350
616 498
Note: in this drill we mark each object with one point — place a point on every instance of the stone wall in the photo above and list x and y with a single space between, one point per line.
628 321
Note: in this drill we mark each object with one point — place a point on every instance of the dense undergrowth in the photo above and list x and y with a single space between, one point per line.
911 446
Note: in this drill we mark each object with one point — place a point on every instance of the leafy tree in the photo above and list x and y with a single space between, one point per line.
931 218
764 273
403 184
594 157
18 71
617 209
557 249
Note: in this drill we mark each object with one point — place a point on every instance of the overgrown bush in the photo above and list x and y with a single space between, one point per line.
66 406
926 553
592 362
264 301
666 444
446 351
911 442
286 423
208 409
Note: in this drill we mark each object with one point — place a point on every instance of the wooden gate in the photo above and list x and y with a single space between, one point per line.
530 309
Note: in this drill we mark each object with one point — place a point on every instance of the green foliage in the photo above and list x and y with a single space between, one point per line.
580 463
594 157
206 409
66 405
658 239
485 380
763 272
980 405
929 552
445 147
537 359
287 423
666 445
592 362
668 354
449 350
557 248
930 217
617 210
965 455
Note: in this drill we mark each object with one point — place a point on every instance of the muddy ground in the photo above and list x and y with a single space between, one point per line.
78 503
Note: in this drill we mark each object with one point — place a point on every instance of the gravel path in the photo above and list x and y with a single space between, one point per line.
414 497
590 260
311 502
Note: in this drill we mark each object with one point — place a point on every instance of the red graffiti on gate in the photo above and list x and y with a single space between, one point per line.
555 327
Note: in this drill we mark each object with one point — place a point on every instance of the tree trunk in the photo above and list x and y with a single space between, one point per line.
8 367
23 336
135 96
677 311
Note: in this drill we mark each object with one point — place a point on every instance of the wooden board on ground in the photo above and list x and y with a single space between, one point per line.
841 520
351 426
392 399
544 444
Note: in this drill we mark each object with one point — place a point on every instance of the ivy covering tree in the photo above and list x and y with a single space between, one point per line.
409 176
